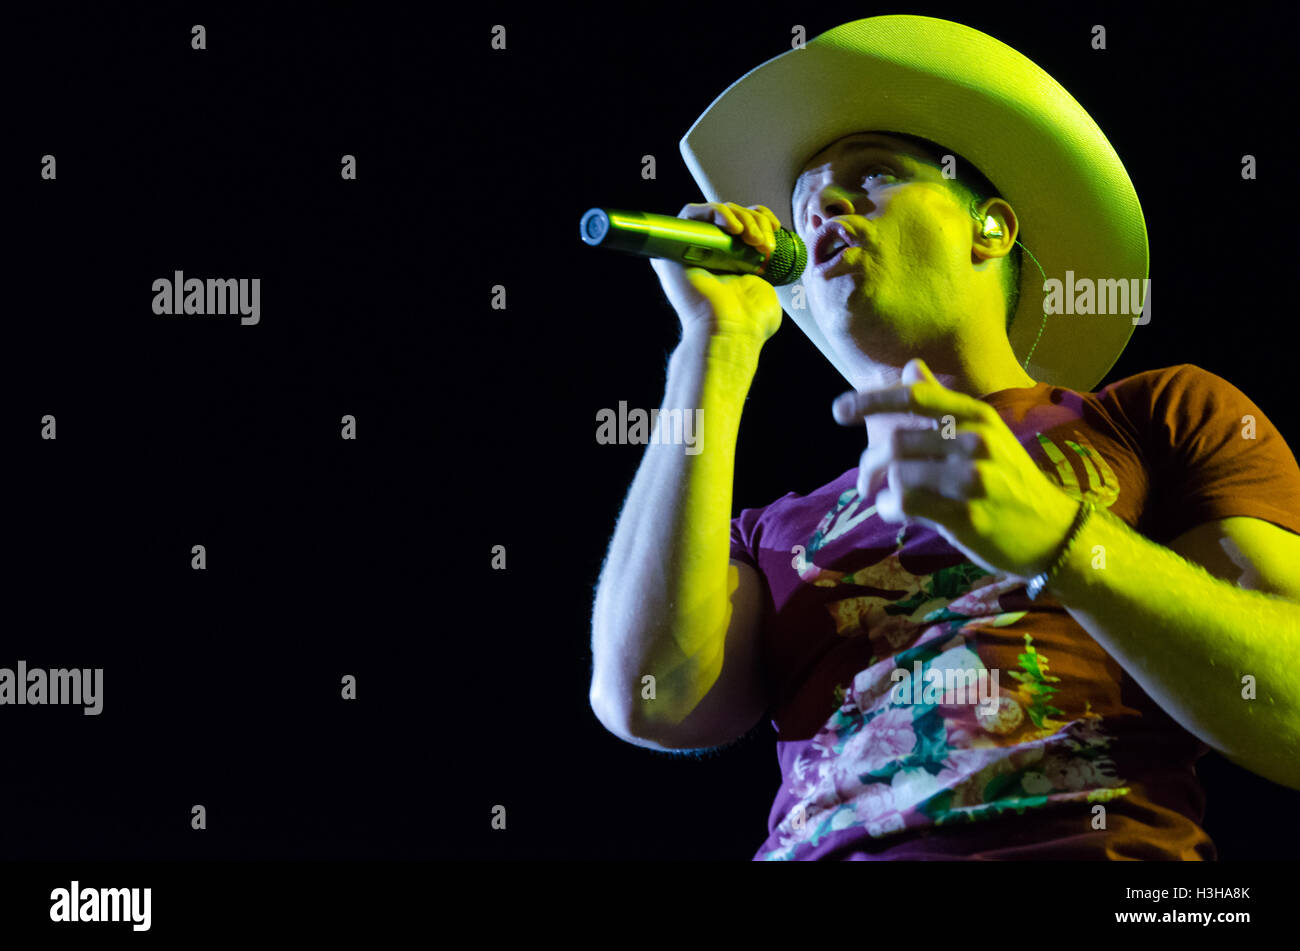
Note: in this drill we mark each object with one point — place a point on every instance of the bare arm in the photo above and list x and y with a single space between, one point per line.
670 603
674 624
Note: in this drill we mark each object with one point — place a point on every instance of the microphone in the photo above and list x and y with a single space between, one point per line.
693 243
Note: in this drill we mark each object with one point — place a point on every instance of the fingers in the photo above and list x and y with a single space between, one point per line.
756 225
923 452
956 479
919 392
930 443
873 469
929 399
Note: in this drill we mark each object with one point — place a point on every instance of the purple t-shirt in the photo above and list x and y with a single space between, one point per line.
1011 725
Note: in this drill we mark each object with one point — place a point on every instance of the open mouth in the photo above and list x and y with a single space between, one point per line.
831 247
832 260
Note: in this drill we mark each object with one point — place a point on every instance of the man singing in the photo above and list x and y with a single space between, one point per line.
1013 628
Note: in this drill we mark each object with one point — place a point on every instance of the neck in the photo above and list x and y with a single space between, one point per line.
976 378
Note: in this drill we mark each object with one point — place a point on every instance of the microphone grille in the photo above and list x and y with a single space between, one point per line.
788 260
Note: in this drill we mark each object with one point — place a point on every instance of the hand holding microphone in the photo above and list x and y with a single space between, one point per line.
717 262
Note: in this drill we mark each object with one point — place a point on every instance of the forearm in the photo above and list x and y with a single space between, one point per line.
663 601
1190 640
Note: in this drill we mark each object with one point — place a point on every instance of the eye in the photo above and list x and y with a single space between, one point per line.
870 172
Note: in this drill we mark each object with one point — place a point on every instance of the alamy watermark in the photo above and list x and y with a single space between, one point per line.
182 295
671 427
1085 296
75 904
35 686
950 686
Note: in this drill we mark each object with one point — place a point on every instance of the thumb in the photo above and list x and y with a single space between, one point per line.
915 371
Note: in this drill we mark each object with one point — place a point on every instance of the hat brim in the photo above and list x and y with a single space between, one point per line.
1077 208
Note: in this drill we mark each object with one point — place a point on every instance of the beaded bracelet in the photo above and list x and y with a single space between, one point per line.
1036 583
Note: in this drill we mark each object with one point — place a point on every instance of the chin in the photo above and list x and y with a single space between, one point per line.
876 341
841 319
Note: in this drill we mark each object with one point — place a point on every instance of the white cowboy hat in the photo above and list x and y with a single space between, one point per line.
968 92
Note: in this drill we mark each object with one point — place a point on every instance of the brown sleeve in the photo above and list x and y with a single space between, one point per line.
1213 452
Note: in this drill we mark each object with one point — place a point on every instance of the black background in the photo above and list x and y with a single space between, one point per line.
476 426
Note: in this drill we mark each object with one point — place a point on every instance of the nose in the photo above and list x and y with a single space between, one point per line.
831 203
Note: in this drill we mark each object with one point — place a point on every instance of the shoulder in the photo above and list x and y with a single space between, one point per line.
1162 382
1182 392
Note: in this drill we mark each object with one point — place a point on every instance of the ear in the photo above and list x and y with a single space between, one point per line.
985 247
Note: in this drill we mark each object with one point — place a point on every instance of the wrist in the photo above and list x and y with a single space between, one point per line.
737 355
1058 560
1081 571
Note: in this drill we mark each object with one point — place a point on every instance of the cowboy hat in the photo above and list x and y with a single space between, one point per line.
968 92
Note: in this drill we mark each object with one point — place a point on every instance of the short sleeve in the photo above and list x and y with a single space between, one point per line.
1214 453
743 529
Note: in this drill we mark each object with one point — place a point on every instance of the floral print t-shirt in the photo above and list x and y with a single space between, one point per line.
926 709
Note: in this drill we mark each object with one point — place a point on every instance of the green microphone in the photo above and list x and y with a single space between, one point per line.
693 243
